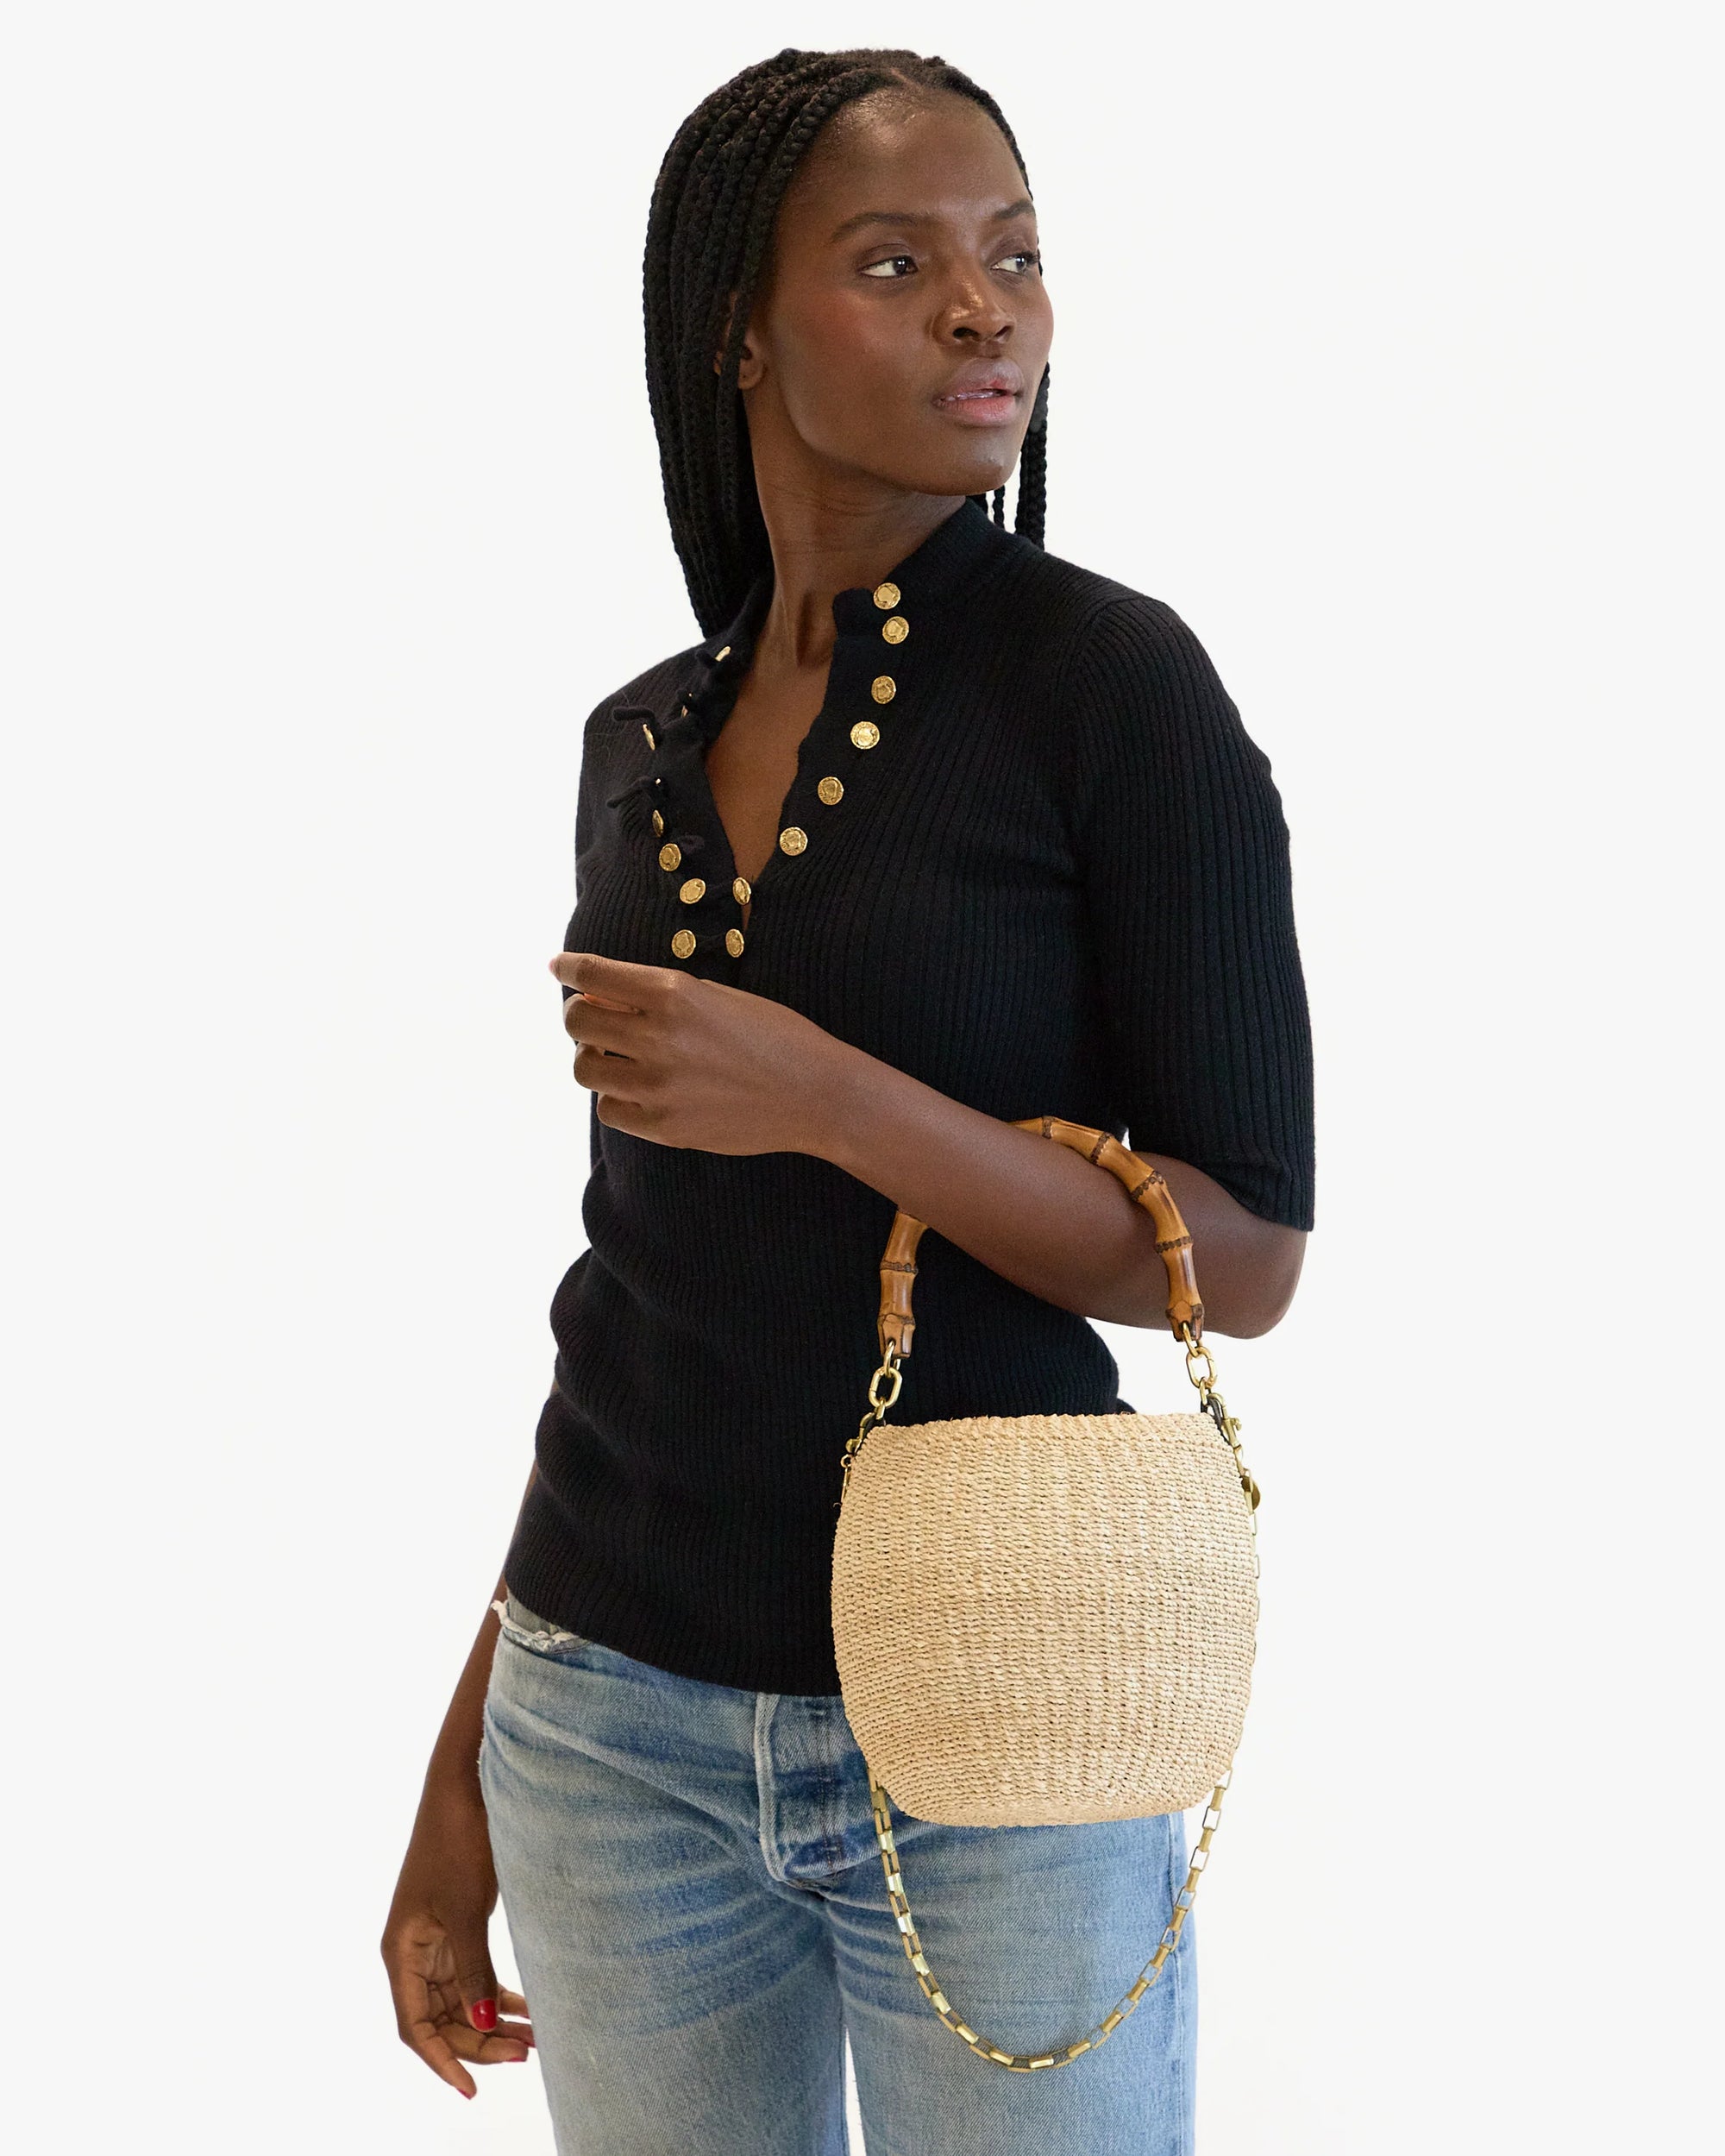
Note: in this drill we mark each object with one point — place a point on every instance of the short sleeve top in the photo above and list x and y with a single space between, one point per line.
1030 856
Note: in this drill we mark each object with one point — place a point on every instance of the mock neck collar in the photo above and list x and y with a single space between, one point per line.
938 569
944 570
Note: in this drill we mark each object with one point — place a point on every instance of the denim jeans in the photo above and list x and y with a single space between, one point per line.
698 1908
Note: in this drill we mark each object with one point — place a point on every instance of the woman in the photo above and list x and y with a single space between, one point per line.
932 831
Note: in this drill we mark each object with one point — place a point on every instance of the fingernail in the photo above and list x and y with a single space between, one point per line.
485 2012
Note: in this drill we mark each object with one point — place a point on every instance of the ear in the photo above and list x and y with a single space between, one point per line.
751 368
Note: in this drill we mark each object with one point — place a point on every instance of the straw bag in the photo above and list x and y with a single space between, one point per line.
1046 1619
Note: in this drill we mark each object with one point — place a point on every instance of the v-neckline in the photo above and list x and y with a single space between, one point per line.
867 660
711 802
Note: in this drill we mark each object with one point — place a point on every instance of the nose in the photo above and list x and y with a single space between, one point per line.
974 313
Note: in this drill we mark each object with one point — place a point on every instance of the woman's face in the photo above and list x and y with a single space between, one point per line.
902 326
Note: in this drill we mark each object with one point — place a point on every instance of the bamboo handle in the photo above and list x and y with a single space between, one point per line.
1144 1184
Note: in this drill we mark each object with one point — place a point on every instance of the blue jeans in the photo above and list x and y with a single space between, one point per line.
697 1904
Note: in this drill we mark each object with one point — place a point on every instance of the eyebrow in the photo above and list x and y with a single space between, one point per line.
922 216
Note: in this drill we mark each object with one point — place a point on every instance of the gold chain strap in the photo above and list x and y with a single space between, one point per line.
1022 2062
891 1368
1202 1370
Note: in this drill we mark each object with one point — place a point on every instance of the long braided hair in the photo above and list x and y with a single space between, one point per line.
708 234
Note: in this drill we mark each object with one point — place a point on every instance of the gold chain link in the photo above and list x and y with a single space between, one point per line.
891 1368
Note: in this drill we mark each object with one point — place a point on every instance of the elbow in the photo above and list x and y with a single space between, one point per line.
1247 1271
1260 1293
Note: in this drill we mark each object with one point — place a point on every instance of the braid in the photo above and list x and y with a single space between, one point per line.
709 235
1033 468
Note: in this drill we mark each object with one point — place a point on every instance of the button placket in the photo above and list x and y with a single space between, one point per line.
696 810
672 856
864 734
828 787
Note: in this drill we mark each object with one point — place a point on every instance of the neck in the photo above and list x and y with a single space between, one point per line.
829 535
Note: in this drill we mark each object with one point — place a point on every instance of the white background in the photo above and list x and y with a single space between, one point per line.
1386 354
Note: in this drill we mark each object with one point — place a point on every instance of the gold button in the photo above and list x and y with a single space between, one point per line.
739 890
648 731
896 629
865 733
670 853
793 841
683 942
693 891
883 688
724 654
831 790
733 942
886 597
658 825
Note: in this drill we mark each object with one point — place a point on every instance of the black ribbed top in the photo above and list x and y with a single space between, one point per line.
1056 884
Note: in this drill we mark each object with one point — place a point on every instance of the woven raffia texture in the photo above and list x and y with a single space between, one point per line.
1043 1620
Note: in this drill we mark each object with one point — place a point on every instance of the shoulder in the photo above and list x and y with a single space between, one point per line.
1131 684
1106 640
1146 732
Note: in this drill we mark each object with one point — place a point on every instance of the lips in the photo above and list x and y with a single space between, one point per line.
985 393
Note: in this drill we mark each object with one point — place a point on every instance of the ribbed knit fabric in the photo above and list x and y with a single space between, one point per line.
1058 882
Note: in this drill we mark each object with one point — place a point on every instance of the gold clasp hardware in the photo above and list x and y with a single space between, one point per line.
1229 1426
1201 1370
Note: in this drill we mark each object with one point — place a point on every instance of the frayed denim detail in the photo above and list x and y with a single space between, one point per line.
546 1636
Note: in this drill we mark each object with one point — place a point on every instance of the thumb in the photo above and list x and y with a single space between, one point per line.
476 1980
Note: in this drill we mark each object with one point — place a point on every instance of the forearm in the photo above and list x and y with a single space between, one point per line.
454 1768
1041 1216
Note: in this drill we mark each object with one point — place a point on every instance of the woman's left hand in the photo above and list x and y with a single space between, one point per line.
688 1062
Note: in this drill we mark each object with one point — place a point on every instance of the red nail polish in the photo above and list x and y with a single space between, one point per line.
485 2013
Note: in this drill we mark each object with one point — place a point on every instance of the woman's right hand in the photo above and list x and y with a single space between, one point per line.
436 1943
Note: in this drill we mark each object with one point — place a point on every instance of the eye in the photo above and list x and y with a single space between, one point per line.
1027 258
888 266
